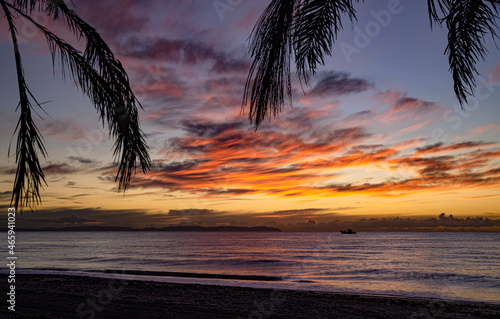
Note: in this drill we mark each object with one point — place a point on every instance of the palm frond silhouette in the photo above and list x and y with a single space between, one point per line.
306 30
99 75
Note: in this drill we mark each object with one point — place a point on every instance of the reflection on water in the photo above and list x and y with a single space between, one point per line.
463 266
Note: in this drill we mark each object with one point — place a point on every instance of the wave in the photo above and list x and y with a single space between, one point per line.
259 261
194 275
414 275
447 276
165 274
372 271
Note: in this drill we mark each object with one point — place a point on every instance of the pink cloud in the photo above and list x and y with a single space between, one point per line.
402 108
415 126
66 130
492 127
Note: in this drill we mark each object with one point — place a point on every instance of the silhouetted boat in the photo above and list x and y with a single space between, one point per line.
349 231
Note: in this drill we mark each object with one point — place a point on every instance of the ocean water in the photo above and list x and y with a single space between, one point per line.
444 265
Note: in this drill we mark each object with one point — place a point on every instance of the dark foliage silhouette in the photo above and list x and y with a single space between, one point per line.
97 73
306 30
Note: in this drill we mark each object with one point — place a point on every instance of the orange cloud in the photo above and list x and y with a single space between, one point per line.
223 159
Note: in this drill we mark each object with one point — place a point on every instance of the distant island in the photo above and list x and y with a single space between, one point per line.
168 228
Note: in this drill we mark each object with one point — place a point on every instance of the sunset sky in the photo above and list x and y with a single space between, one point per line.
378 134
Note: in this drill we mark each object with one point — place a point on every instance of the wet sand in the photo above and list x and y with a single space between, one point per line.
58 296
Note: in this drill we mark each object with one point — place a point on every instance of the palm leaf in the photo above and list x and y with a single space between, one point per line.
433 11
303 28
29 175
121 115
271 47
102 78
316 25
468 22
311 27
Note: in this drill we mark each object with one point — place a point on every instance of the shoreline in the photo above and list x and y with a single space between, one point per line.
66 296
230 280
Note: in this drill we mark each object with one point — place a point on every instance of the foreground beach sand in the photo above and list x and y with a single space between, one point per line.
56 296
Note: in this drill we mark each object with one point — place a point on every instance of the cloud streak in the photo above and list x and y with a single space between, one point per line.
339 83
226 160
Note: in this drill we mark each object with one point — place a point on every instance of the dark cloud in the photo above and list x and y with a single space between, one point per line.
74 220
339 83
152 183
225 84
81 160
233 191
6 170
210 129
429 148
410 106
59 169
192 212
295 212
224 64
344 135
430 166
405 102
5 196
493 171
439 147
173 167
183 51
345 208
114 20
442 222
340 188
177 51
89 216
371 147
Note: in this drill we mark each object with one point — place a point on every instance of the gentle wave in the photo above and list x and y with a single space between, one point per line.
172 274
193 275
447 276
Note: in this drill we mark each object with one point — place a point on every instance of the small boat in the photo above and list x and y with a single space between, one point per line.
349 231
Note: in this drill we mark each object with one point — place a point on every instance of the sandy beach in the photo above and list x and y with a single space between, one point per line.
57 296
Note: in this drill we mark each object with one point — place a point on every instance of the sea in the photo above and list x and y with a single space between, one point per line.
443 265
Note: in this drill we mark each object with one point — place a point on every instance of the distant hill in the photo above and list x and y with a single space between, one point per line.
168 228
